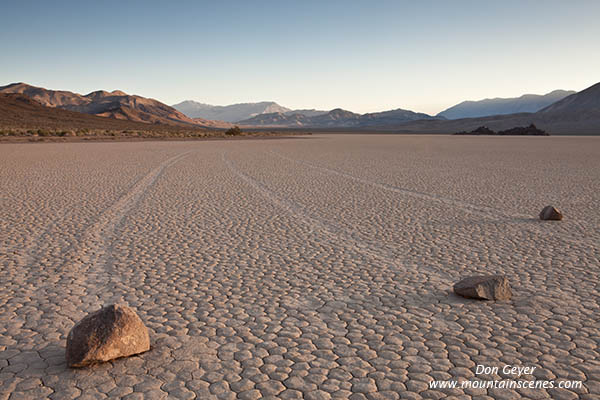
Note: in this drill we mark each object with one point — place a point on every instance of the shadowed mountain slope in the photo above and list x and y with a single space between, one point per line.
528 103
584 104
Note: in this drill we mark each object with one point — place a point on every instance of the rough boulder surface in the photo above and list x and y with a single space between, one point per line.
550 213
112 332
484 287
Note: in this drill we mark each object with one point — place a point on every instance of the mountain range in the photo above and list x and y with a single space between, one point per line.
273 115
237 112
336 118
577 113
115 104
527 103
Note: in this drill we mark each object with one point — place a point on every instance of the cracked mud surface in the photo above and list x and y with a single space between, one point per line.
301 268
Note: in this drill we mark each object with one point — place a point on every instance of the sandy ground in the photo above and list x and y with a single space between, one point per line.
310 267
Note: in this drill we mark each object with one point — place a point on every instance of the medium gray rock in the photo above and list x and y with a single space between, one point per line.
550 213
112 332
484 287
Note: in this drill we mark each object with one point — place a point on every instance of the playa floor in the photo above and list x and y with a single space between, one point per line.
318 267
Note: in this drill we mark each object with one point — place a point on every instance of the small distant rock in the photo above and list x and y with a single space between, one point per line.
550 213
112 332
484 287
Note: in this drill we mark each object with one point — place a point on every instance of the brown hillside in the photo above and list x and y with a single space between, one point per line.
114 104
18 111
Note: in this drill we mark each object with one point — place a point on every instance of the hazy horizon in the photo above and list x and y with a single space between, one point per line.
358 56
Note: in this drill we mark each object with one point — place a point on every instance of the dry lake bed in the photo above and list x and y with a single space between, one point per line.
318 267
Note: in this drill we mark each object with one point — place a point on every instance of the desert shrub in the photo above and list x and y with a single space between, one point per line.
44 132
235 131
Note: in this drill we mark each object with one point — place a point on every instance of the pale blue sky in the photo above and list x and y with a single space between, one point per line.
359 55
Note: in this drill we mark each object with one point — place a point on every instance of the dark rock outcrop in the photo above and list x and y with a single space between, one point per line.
530 130
482 130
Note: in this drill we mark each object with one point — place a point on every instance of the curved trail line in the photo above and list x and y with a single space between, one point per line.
484 211
338 231
88 260
420 195
336 235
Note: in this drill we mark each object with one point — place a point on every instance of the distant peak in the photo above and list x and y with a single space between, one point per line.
104 93
17 85
97 93
193 102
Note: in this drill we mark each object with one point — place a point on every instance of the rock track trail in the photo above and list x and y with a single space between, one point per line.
89 260
387 253
334 234
483 211
83 269
95 241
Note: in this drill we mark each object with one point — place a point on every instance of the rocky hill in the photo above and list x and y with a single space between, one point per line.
19 112
114 104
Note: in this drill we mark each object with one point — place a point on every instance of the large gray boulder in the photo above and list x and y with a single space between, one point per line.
550 213
484 287
111 332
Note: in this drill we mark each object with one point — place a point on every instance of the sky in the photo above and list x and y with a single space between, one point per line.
363 56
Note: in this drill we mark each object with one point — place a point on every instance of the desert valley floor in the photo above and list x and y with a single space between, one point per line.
317 267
